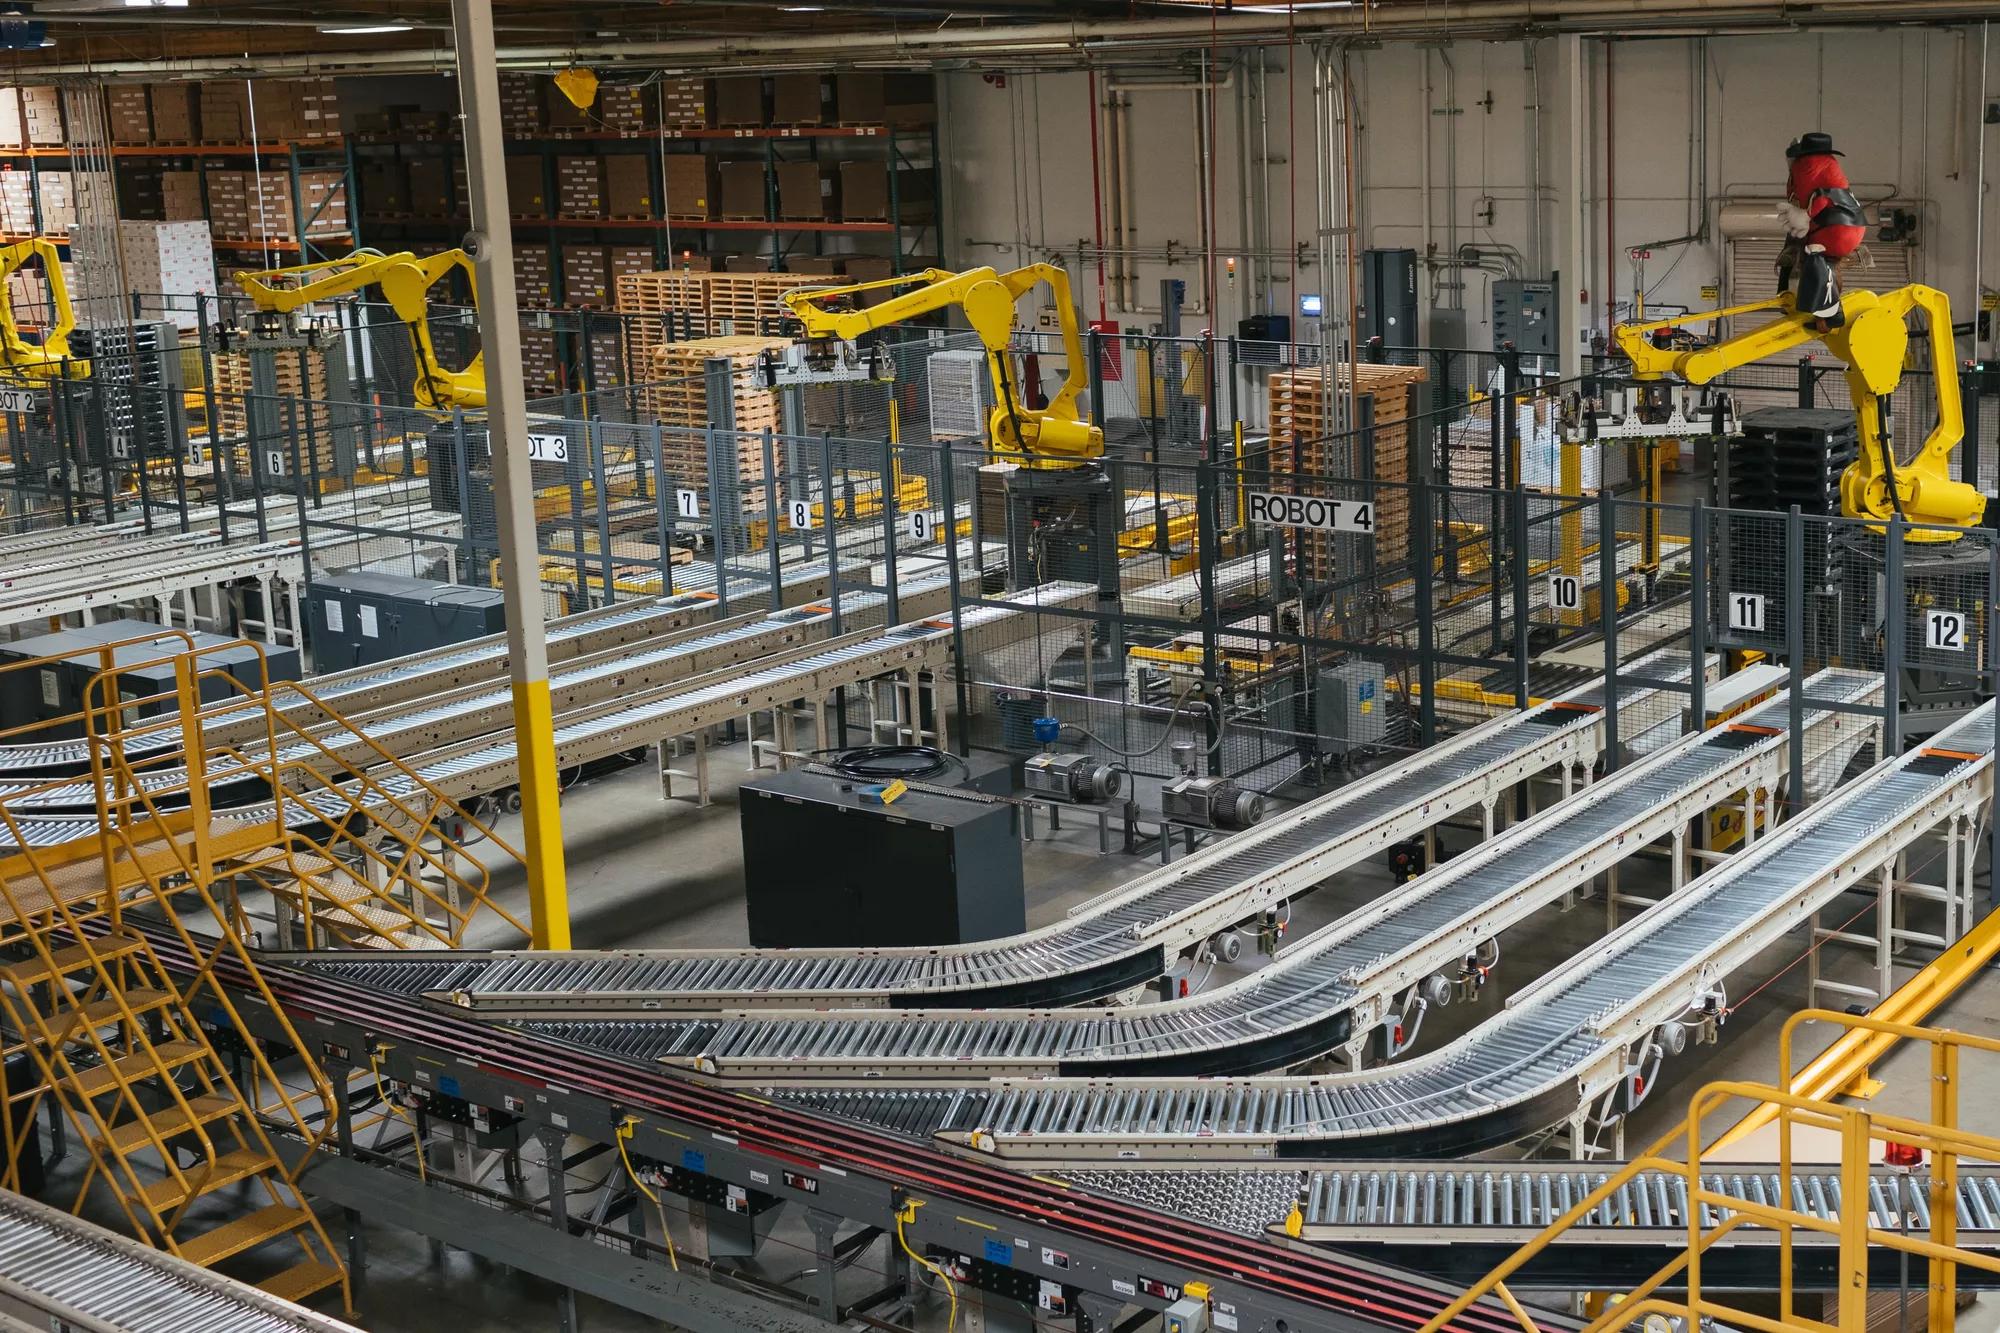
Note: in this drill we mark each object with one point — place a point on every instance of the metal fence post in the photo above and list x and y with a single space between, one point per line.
1895 640
771 518
1094 346
892 609
1993 687
1420 519
715 542
1968 454
1795 649
833 561
1211 621
462 478
1518 558
1698 614
960 668
1607 610
593 448
666 507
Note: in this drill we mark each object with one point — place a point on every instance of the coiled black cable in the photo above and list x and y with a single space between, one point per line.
886 763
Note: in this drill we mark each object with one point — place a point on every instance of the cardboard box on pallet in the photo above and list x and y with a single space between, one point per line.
522 110
808 191
909 101
741 189
798 99
627 110
586 276
17 201
747 264
684 103
128 114
564 116
385 190
871 268
628 185
58 205
857 98
821 266
170 257
180 196
623 259
10 120
42 117
527 193
692 187
173 111
864 191
738 101
430 188
541 362
580 187
228 204
139 193
534 278
224 111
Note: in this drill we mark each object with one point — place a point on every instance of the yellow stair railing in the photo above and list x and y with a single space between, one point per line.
1714 1215
112 1036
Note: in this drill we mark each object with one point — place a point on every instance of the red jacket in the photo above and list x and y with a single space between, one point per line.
1809 176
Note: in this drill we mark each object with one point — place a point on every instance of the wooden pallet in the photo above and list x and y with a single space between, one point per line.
1300 416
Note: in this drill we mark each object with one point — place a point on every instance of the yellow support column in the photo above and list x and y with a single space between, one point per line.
1944 1188
513 487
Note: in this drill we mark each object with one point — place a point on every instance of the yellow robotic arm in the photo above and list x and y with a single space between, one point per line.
48 359
1054 436
1872 342
406 281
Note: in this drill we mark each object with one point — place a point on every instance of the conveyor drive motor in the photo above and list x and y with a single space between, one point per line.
1077 778
1211 803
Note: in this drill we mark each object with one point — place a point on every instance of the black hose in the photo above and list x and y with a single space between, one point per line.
886 763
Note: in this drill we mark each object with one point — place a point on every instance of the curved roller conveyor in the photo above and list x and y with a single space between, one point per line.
1328 990
1122 939
1561 1044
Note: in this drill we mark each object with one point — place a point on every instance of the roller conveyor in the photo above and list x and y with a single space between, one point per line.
1331 988
81 1277
480 766
1564 1042
1119 940
152 579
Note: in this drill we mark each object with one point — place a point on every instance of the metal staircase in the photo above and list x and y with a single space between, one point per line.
180 1138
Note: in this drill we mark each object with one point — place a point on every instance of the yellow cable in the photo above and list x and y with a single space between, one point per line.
909 1214
625 1128
416 1135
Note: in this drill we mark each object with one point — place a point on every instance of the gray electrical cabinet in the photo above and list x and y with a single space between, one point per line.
1524 314
1389 302
53 693
1351 705
361 618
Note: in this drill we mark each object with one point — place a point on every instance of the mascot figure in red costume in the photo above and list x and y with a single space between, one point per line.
1824 222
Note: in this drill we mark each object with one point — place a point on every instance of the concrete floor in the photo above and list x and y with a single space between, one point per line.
644 872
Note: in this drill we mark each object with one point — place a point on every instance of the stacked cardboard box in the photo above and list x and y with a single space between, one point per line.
692 187
857 98
909 101
229 203
223 107
580 187
128 114
808 191
288 111
249 206
864 191
11 134
798 99
42 117
173 110
28 291
17 202
59 205
180 196
527 192
534 279
586 277
738 101
621 260
741 189
139 192
171 257
627 110
541 363
607 358
628 186
684 103
385 190
523 113
430 190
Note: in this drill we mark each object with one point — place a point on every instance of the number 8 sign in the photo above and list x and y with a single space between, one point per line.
802 515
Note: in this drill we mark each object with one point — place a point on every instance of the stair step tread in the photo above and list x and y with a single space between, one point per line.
302 1280
242 1233
138 1065
174 1120
97 1013
76 958
229 1168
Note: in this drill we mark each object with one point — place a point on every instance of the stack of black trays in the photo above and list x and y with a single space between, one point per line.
1785 456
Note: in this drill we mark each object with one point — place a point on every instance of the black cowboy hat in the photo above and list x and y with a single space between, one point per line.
1816 144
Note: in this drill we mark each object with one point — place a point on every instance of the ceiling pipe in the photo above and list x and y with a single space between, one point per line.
1456 17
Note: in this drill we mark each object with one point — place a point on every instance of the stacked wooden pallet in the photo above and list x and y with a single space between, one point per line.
666 304
745 303
1302 419
299 411
679 398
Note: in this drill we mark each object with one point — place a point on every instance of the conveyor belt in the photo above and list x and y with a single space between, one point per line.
479 766
1242 579
421 675
1561 1044
148 579
83 1278
1333 985
1119 940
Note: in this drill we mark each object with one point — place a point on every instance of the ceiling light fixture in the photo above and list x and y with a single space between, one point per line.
365 29
156 4
1301 5
804 9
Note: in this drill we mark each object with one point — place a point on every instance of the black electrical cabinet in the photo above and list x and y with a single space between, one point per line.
825 868
362 618
53 694
1389 302
1525 317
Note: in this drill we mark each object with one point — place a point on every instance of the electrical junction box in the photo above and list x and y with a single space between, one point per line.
1524 314
54 692
360 618
1352 706
1389 302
